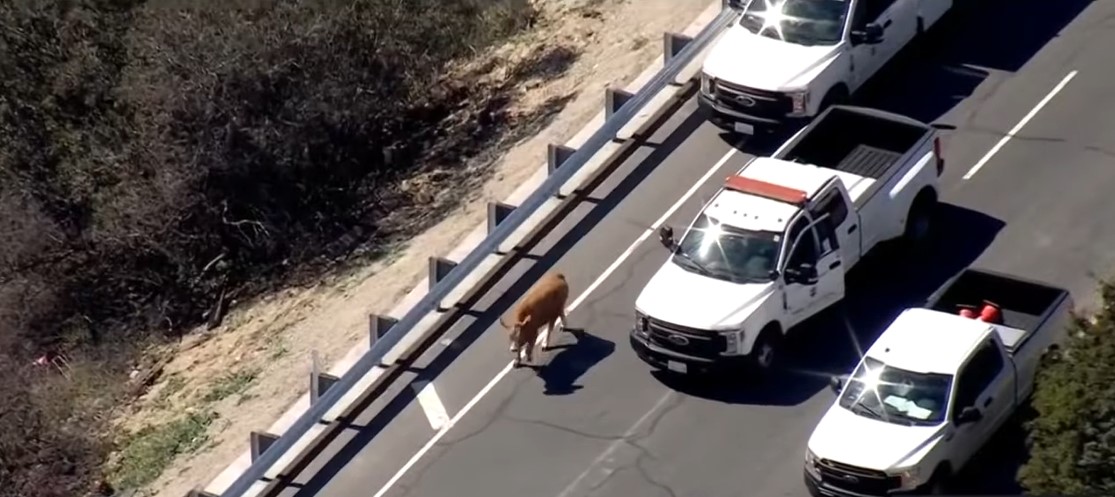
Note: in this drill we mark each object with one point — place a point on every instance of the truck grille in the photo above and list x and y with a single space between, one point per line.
856 479
760 103
688 341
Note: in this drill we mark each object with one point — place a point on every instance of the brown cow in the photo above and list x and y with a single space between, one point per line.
543 304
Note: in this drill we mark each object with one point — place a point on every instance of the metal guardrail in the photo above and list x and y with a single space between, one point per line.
431 302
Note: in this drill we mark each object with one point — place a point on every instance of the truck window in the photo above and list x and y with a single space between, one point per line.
806 250
873 9
881 391
833 204
977 375
728 253
826 233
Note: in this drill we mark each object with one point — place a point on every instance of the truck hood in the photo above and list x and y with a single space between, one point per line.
690 299
849 438
764 63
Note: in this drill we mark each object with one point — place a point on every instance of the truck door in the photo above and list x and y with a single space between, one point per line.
865 59
830 263
898 18
845 226
803 299
986 383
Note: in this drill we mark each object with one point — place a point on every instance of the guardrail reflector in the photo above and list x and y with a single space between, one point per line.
766 190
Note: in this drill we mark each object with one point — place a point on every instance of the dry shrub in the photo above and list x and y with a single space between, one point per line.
156 155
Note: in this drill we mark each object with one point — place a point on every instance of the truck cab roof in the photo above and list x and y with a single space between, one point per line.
754 212
928 341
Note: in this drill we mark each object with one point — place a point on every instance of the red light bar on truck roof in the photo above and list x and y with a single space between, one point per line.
766 190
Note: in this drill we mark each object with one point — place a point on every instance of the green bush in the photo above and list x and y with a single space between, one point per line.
154 157
1072 439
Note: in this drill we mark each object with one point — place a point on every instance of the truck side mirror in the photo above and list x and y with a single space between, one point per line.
836 384
666 236
804 274
967 415
871 34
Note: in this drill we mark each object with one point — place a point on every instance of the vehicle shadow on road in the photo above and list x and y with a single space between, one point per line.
572 361
929 78
882 285
565 367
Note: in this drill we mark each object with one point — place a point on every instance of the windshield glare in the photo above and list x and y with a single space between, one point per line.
896 395
802 22
728 253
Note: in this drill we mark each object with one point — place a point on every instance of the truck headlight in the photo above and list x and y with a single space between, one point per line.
732 341
811 464
800 101
911 477
641 325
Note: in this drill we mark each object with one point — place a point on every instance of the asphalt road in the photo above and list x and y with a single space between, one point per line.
596 421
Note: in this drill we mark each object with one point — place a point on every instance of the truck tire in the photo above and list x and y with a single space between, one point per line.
920 219
939 483
765 350
837 95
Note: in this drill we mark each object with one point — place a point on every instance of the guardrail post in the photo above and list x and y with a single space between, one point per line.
319 382
497 212
378 326
439 267
260 441
614 98
197 492
673 44
556 155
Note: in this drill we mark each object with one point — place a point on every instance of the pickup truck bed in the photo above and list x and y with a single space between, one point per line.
1025 305
864 142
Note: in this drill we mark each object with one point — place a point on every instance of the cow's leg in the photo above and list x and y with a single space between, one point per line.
517 349
528 347
551 329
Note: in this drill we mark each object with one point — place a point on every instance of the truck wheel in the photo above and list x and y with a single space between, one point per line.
766 349
920 219
838 95
938 483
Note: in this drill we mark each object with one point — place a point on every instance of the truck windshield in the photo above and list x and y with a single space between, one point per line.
728 253
802 22
887 393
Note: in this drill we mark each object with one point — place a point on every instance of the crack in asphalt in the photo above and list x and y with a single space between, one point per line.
645 473
621 279
565 429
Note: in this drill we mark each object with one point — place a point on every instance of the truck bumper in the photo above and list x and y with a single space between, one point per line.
819 489
738 122
677 362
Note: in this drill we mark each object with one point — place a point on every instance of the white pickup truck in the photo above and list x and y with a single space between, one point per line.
772 246
934 387
786 60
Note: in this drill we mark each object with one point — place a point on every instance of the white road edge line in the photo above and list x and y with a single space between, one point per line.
542 336
1018 127
432 405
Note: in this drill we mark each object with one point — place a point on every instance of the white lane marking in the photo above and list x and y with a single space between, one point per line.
542 336
432 405
1018 127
